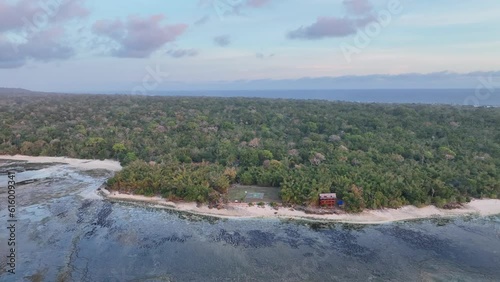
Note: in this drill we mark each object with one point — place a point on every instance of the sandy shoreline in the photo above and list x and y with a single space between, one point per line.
110 165
482 207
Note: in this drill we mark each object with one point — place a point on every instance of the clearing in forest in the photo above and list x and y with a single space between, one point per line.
247 194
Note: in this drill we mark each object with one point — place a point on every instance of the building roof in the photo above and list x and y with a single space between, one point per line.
327 196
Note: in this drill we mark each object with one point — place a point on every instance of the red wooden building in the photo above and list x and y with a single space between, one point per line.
328 200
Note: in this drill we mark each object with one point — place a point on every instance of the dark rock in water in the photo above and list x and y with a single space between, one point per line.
16 169
28 181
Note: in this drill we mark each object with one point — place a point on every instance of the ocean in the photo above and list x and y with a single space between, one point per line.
65 232
481 97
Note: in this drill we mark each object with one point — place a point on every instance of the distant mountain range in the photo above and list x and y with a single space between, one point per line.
14 91
436 80
483 81
469 97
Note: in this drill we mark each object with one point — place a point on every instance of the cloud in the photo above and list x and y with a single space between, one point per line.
337 26
9 58
43 46
232 7
179 53
30 14
257 3
69 9
222 40
138 37
202 20
358 7
329 27
31 30
263 56
235 3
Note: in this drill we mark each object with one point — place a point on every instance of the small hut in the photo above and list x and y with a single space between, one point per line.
327 200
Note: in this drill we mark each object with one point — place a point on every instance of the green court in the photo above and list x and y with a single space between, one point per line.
249 194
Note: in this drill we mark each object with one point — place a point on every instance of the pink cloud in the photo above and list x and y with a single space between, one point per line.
138 37
329 27
42 46
45 46
358 7
113 29
28 13
36 26
234 3
71 9
232 7
337 26
257 3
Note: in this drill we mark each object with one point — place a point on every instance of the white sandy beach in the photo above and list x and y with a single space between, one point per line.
110 165
482 207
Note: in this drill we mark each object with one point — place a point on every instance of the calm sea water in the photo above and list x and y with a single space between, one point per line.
473 97
67 233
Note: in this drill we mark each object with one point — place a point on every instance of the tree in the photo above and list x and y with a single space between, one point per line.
354 199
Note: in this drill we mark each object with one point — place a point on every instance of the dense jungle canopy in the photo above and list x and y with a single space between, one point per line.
371 155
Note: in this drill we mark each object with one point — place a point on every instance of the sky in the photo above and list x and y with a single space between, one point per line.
141 46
